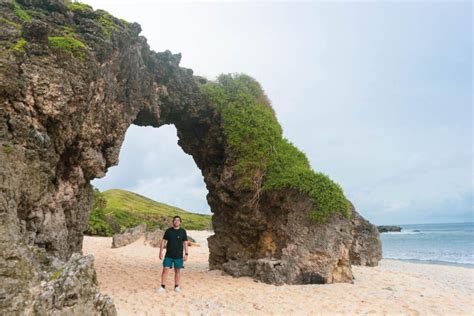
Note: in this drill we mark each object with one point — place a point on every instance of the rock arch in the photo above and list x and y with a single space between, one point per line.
64 113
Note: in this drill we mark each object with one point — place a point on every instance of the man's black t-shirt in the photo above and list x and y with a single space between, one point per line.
174 246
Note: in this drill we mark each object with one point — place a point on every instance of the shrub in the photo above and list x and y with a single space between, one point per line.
262 158
98 224
99 201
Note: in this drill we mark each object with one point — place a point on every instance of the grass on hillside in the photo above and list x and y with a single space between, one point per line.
113 211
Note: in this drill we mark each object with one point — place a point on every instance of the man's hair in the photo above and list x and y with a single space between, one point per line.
180 220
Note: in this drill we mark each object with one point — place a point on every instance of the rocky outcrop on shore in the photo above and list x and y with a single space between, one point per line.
72 290
37 283
366 246
128 236
280 245
387 229
154 238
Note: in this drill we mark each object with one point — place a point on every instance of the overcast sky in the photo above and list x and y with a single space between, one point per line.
377 94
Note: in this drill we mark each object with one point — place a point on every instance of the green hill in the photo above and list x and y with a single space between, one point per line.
113 211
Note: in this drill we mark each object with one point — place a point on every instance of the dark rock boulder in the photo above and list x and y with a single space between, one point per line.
389 228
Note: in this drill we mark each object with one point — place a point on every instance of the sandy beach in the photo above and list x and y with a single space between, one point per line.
131 275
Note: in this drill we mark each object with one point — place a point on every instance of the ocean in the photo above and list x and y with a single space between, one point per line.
450 244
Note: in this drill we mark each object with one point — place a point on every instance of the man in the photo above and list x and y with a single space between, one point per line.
175 239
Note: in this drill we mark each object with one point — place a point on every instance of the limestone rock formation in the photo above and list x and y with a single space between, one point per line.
366 246
154 238
72 290
128 236
72 80
37 283
280 244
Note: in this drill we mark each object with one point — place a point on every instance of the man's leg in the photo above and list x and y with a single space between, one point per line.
164 275
167 265
177 276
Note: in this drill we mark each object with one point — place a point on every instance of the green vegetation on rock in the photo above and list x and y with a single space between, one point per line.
19 12
36 14
113 211
19 46
69 31
78 6
10 23
98 222
262 158
107 23
55 275
8 148
68 44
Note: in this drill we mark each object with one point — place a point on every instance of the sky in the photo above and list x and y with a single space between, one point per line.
377 94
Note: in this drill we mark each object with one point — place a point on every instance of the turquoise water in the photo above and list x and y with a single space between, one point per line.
451 244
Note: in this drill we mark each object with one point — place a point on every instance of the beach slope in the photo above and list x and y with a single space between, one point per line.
131 274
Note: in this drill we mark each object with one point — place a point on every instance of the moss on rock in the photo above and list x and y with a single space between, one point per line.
20 13
19 46
78 6
107 23
68 44
8 148
10 23
55 275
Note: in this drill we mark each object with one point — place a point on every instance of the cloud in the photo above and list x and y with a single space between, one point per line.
377 94
185 192
152 164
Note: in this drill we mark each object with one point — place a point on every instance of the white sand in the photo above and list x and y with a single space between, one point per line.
131 274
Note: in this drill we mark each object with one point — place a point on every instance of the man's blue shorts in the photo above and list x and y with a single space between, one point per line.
173 263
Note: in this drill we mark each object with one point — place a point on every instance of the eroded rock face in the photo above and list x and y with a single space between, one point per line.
279 244
72 290
63 118
37 283
154 238
128 236
366 249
